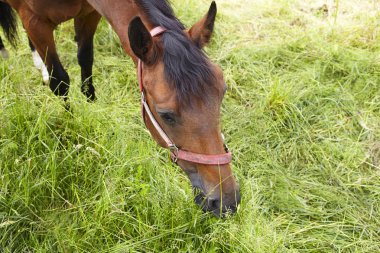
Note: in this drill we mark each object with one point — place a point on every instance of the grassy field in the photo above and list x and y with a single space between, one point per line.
302 116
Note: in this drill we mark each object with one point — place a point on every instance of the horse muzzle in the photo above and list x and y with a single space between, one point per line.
219 206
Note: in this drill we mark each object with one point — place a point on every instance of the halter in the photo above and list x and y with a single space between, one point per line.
176 153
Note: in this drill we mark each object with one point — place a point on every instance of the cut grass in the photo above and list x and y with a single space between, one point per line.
301 115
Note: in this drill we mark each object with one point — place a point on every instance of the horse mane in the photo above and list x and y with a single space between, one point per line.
186 66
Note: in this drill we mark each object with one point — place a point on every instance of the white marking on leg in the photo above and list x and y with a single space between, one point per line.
4 53
39 64
45 74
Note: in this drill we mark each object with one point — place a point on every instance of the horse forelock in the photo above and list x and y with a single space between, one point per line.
187 68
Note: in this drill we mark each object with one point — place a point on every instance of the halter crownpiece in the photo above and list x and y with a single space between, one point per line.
154 32
176 153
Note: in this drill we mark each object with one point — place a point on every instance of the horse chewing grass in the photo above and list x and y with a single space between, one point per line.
301 116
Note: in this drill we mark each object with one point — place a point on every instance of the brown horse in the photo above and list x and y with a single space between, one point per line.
182 89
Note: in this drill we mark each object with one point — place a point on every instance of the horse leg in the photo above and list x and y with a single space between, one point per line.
39 64
40 33
3 50
85 27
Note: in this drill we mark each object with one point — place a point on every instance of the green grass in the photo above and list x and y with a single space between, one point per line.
302 116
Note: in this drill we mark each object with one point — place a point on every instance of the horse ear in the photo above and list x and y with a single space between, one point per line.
201 32
140 40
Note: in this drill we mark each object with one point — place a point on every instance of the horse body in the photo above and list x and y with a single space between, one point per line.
41 17
181 86
53 11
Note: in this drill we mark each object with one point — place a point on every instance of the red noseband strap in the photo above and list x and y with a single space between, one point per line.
202 159
176 153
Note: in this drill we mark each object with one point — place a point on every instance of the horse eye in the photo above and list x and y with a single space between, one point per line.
167 117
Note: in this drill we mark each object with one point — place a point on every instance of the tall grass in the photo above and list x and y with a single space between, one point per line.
301 115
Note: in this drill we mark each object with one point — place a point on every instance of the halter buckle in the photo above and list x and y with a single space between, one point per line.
173 152
226 148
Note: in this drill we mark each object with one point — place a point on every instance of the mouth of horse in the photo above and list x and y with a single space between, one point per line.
219 206
214 205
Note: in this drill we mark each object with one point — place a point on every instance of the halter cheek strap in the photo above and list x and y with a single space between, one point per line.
176 153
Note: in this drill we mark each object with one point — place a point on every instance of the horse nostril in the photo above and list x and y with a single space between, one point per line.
206 203
213 204
199 197
219 207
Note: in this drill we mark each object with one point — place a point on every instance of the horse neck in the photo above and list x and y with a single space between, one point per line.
119 14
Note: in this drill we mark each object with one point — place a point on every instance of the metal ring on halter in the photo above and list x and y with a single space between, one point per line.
226 148
174 152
